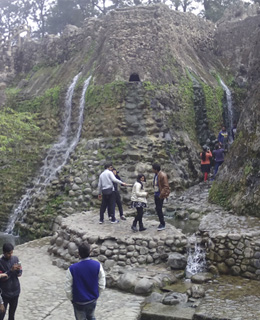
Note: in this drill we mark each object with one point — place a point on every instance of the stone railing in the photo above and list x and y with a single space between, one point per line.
234 253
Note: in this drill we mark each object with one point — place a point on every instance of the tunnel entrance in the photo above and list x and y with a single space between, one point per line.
134 77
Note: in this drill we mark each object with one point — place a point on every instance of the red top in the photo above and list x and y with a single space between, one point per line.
208 156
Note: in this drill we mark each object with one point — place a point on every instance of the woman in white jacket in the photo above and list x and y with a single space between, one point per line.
139 202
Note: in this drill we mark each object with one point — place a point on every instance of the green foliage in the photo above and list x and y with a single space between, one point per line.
221 193
53 205
214 105
187 113
15 128
109 94
49 100
248 169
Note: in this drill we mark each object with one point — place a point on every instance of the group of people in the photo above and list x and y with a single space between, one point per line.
85 280
109 195
10 271
218 153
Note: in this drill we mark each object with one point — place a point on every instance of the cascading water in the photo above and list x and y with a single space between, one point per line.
196 261
57 156
229 109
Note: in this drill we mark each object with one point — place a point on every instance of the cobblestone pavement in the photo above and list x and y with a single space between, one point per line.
43 297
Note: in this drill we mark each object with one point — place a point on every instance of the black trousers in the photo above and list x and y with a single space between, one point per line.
118 203
158 207
13 302
108 202
139 217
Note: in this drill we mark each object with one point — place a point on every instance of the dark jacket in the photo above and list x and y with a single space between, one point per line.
10 286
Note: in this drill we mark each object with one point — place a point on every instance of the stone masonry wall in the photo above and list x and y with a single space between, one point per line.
122 249
233 253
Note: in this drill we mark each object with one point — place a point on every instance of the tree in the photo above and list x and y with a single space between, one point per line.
39 12
63 13
214 9
9 13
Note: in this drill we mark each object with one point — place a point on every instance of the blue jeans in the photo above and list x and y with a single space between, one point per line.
85 312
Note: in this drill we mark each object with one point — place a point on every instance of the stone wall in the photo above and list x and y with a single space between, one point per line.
234 253
120 248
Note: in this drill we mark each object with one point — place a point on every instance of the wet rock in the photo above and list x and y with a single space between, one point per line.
201 277
127 282
174 298
177 261
196 291
144 286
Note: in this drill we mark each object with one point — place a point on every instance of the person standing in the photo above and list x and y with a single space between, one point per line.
218 155
118 201
85 280
11 268
205 157
139 202
106 188
161 192
223 137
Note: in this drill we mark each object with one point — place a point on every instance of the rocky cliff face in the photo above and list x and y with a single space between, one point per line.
154 96
238 45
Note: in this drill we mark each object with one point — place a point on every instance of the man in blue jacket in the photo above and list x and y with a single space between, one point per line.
10 270
84 282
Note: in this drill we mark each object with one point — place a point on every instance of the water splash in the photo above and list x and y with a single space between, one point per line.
196 261
57 155
229 109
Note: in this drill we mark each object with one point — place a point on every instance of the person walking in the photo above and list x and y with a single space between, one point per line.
85 280
161 192
118 201
205 157
218 155
106 188
223 138
139 202
10 270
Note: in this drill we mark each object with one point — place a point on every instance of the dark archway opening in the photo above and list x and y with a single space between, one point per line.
134 77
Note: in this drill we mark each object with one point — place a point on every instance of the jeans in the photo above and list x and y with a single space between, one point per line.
217 165
13 302
139 217
118 202
85 312
108 202
158 207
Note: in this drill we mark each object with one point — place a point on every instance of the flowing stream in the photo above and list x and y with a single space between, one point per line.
57 155
229 110
196 261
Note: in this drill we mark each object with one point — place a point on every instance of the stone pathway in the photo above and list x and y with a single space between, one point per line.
43 296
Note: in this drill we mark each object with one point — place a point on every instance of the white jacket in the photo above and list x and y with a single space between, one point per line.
138 194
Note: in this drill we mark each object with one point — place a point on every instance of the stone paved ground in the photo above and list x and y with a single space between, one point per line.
43 297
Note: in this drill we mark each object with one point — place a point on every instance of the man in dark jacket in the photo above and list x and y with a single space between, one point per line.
161 192
10 284
84 282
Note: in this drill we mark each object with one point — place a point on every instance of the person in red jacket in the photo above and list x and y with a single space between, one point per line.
205 157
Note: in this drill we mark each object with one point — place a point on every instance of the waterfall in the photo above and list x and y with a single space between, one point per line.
57 155
196 261
229 109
